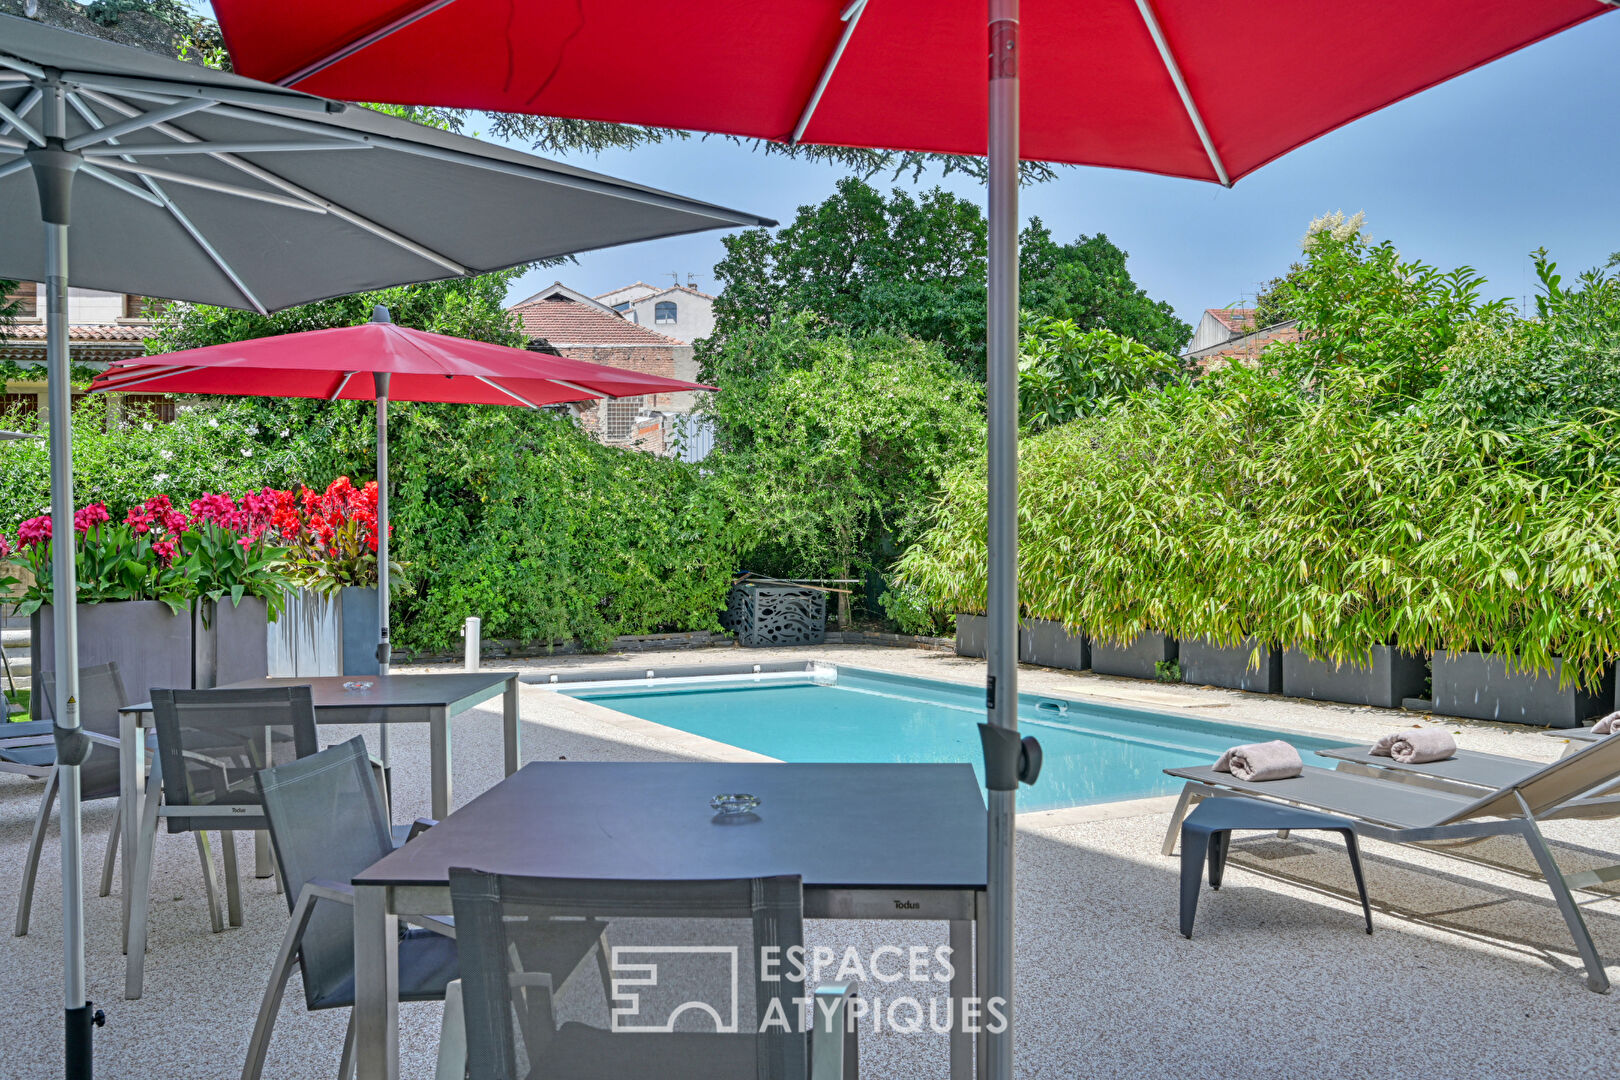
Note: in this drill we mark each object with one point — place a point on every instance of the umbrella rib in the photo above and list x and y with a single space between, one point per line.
90 117
1174 69
120 183
357 220
343 52
166 149
292 101
13 167
851 15
15 121
25 107
121 387
212 185
509 393
137 122
343 382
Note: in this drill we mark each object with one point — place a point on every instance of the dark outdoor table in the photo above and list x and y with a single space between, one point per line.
430 699
871 841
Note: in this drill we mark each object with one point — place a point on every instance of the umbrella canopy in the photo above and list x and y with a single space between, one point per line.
1188 88
393 362
422 367
1152 85
191 184
199 185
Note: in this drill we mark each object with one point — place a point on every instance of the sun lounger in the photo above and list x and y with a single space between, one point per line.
1404 813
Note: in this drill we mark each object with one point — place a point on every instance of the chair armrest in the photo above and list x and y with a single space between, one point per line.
104 740
833 1051
418 827
324 889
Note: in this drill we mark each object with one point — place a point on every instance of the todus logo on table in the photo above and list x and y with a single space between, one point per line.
667 988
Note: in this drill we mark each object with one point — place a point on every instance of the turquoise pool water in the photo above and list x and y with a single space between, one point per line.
1093 753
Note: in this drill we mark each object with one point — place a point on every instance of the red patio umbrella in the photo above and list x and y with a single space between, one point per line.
1205 89
379 360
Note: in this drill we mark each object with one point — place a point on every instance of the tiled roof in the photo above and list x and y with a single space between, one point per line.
1246 348
1237 320
567 322
81 332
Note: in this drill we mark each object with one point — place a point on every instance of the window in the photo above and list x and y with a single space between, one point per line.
149 407
619 418
664 312
625 306
25 299
142 307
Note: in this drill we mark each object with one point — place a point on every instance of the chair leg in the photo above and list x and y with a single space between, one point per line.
141 893
233 882
270 1005
1220 843
346 1063
1190 794
25 898
1596 978
109 862
1194 846
452 1036
210 882
1354 848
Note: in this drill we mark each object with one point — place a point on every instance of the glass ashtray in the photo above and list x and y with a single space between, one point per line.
739 803
359 684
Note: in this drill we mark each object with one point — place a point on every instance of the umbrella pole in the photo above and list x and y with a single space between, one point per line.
54 168
384 651
996 981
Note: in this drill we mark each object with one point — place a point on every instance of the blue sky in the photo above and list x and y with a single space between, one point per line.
1521 154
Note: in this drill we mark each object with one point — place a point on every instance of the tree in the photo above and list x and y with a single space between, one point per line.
1087 283
916 265
838 454
1065 372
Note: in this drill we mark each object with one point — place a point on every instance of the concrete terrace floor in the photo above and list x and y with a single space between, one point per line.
1470 973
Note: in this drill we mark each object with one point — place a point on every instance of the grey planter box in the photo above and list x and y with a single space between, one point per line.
232 641
152 646
973 637
308 638
1138 658
1480 686
1207 664
357 612
1392 676
1050 644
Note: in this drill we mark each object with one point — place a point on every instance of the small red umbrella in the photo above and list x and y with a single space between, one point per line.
380 360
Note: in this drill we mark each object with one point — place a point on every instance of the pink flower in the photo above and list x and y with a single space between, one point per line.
5 546
90 516
246 542
34 531
165 551
174 522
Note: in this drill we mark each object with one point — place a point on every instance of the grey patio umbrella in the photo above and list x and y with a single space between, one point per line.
7 436
197 185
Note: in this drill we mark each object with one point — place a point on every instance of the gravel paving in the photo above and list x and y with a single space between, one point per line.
1470 973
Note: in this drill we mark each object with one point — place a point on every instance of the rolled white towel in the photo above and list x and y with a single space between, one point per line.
1609 725
1416 746
1275 760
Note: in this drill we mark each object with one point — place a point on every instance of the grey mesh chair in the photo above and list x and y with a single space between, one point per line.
327 823
688 999
210 745
101 694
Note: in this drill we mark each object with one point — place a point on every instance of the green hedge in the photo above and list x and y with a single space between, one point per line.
1354 505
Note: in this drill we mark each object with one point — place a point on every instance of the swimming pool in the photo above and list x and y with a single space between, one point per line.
1093 753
